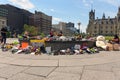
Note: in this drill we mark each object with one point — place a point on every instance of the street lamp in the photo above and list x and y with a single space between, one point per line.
79 26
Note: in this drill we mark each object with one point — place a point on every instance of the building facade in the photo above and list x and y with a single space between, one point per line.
3 15
42 21
3 12
68 29
3 20
104 26
16 17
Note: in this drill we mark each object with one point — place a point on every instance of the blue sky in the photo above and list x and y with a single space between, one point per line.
69 10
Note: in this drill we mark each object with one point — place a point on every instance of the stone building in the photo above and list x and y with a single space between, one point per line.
104 26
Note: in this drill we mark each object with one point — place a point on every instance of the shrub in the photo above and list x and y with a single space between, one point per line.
108 38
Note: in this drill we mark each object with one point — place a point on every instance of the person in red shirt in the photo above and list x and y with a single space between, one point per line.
51 33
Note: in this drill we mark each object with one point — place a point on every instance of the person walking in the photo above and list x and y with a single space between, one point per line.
3 35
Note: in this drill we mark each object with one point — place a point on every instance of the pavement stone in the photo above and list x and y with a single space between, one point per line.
97 75
116 72
73 70
23 76
116 64
6 59
2 79
40 71
44 63
3 65
81 62
10 70
22 62
63 76
102 66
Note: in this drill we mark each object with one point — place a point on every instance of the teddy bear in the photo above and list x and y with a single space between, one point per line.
100 42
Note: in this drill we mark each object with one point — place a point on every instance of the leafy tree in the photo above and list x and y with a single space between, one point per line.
42 35
31 29
8 34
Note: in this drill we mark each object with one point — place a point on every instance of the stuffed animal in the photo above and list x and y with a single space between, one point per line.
101 42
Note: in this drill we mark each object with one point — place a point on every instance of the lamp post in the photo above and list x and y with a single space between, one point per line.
79 26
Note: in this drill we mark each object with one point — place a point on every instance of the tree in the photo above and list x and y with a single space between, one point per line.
8 34
42 35
31 29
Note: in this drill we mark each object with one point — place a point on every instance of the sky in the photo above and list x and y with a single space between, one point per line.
69 10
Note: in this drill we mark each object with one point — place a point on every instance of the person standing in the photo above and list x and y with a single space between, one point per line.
51 33
3 34
26 35
116 43
60 33
116 39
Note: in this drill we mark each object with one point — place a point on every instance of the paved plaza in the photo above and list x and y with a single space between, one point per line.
101 66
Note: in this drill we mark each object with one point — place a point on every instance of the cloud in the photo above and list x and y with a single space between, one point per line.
115 3
52 10
111 14
83 28
87 3
56 20
46 10
25 4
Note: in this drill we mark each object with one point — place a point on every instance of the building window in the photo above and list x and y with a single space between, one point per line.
111 32
106 31
102 23
106 27
95 27
101 31
111 27
106 22
3 22
111 22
